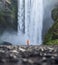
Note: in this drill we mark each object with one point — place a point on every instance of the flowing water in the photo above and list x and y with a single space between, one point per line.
30 19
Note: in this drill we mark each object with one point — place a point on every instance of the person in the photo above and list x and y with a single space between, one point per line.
28 42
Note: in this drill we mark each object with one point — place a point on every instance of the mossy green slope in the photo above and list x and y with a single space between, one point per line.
51 37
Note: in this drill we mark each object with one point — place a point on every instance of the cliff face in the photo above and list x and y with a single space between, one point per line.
8 14
52 35
47 19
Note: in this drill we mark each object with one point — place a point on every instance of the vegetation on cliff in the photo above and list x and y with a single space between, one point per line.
8 14
51 37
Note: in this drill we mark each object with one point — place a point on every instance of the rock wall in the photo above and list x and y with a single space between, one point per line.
8 14
52 35
49 5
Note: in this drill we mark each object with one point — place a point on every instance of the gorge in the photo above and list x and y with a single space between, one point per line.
34 20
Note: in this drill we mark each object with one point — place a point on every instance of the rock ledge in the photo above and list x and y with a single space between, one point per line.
29 55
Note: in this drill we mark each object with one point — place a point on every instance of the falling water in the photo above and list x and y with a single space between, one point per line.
30 19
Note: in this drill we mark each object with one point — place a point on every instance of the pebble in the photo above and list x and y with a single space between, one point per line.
45 54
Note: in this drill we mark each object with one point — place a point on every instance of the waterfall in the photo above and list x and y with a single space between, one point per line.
30 22
30 19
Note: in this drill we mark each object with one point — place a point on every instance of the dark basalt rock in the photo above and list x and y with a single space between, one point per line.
56 60
32 55
6 43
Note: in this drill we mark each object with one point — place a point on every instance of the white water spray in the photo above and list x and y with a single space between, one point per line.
33 19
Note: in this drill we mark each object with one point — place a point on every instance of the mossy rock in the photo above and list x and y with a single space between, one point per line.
52 42
52 35
8 15
55 14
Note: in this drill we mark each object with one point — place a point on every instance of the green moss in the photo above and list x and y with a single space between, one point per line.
8 15
52 42
55 14
51 37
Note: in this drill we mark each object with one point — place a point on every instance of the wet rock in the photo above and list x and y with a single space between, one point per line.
2 60
47 55
44 59
22 49
32 55
13 58
6 43
56 60
51 49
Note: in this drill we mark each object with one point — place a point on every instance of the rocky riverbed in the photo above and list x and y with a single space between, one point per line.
28 55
